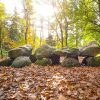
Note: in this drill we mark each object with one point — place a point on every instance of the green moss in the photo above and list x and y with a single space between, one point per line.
61 52
43 62
97 61
93 61
21 61
91 51
70 62
45 51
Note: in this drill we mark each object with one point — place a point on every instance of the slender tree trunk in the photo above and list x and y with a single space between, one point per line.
66 30
66 35
26 35
76 40
34 38
40 38
1 53
58 39
41 33
26 20
57 35
62 38
99 7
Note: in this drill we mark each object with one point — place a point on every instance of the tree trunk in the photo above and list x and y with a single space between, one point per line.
26 16
26 35
99 7
1 53
57 37
40 38
76 40
62 38
41 33
66 35
34 39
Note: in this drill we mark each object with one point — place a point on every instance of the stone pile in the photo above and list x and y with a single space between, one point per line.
48 55
18 57
70 56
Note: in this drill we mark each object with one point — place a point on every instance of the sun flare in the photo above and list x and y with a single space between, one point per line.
44 10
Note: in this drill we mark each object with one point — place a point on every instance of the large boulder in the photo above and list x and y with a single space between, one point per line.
45 51
25 50
91 49
73 53
68 52
21 62
43 62
70 62
61 52
93 61
6 62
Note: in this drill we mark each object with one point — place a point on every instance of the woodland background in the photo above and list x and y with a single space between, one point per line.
74 24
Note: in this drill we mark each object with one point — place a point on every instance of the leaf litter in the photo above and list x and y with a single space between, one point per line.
50 83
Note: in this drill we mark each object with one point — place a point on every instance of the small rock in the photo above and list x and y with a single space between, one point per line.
25 50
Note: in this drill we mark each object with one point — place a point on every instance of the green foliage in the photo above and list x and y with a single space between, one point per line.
2 10
4 53
2 16
84 16
81 18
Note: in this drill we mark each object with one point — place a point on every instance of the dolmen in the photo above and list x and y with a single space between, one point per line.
70 56
47 55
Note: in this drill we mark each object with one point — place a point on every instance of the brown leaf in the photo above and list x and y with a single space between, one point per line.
61 97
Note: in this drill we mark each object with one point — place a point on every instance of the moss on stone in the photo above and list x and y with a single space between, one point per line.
43 62
70 62
93 61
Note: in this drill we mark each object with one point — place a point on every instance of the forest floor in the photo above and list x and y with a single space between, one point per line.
50 83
